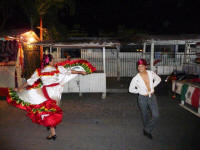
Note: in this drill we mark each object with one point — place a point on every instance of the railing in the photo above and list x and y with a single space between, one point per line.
127 67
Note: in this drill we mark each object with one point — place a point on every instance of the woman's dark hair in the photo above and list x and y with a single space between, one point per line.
47 58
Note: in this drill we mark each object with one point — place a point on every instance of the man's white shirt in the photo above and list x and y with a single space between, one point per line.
138 85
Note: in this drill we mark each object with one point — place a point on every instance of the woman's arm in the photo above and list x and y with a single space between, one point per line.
30 81
70 71
19 89
78 72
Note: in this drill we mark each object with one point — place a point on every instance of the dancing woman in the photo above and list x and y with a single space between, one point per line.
41 94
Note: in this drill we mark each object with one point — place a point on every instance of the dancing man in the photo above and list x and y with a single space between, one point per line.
143 84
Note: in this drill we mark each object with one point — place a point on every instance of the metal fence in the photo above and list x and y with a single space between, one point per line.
166 62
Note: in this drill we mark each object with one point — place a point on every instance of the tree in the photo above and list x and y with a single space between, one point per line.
48 9
39 9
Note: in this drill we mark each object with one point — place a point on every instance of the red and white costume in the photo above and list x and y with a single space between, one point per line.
40 100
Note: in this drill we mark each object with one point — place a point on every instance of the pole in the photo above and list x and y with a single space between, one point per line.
152 56
144 50
41 38
104 59
118 63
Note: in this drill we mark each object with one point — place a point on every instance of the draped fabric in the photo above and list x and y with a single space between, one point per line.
173 85
190 94
183 91
3 91
196 97
178 87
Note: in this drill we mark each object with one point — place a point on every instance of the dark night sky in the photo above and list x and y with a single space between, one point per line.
151 16
156 16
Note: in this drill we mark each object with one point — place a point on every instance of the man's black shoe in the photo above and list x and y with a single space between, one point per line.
147 134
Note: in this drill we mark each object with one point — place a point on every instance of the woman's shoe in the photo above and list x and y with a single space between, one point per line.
51 137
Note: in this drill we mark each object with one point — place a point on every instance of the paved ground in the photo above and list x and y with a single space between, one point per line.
92 123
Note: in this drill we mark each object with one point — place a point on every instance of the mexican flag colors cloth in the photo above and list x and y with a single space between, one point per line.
188 92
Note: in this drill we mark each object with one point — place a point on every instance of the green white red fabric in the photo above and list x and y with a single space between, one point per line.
190 94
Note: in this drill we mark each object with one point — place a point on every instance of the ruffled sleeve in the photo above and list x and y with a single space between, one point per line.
33 78
63 70
65 75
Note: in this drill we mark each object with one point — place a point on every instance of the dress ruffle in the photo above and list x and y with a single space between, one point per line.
87 66
47 113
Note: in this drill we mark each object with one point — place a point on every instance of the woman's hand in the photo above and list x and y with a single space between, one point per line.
18 89
21 88
83 72
15 89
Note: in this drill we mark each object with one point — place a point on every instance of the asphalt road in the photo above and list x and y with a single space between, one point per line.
92 123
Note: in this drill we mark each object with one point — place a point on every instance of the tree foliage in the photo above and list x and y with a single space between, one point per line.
33 10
